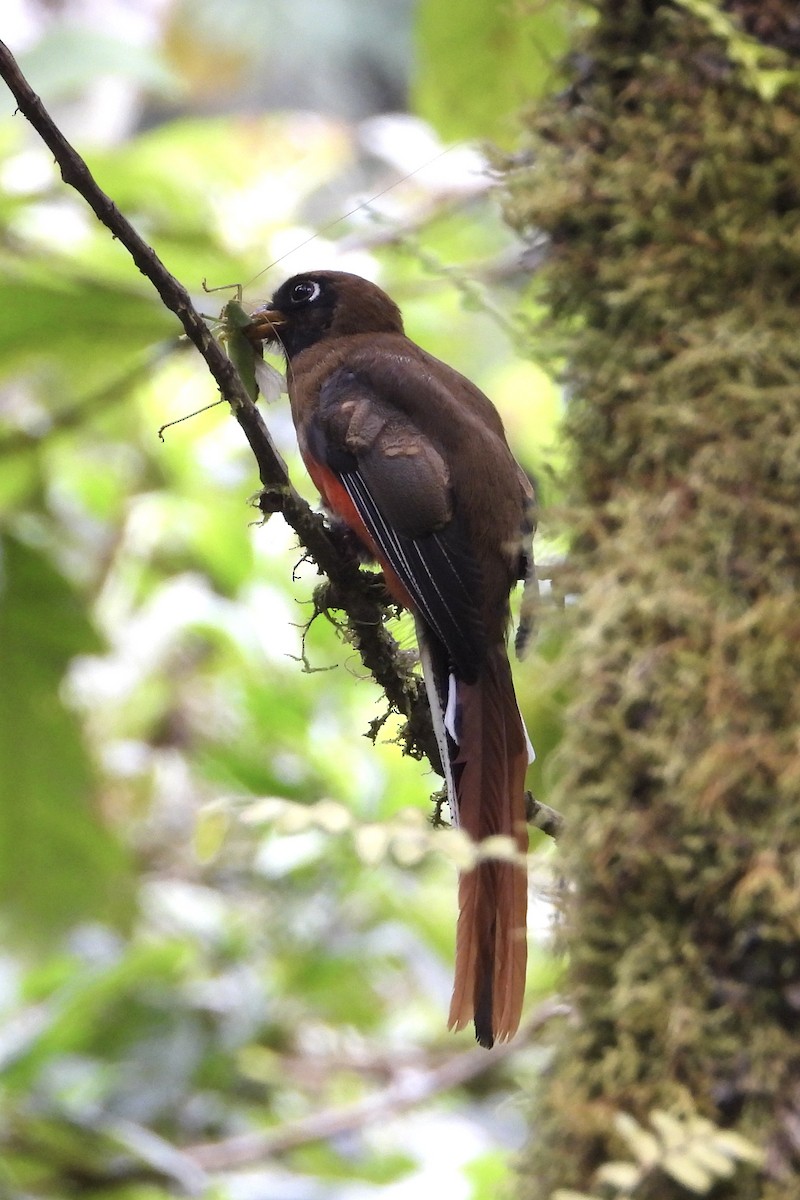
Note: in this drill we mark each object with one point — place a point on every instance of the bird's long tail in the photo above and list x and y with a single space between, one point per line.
484 739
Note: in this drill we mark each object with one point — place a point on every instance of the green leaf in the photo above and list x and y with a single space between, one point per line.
732 1143
623 1176
490 1175
686 1171
709 1157
69 56
673 1132
58 864
213 824
479 62
644 1145
87 327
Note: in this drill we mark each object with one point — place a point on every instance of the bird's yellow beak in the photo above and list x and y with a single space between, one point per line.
265 324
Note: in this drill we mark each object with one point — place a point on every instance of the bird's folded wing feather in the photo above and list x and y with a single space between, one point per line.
400 486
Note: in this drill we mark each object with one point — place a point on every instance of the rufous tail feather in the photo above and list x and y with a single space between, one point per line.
489 776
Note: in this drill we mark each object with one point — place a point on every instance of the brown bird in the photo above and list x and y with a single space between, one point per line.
413 457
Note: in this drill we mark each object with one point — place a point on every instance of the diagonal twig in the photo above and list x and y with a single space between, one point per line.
359 594
352 589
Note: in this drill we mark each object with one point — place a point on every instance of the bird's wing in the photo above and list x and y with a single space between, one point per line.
399 485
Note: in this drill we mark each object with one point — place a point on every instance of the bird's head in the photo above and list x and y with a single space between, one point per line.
319 305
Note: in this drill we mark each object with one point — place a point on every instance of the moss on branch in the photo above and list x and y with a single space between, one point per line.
669 188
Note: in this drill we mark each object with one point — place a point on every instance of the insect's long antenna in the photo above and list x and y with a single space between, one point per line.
306 241
363 204
189 416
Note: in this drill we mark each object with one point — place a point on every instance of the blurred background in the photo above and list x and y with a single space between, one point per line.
227 925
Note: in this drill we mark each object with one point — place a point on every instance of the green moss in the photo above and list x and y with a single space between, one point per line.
670 191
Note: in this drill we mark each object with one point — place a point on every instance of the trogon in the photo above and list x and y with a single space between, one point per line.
414 459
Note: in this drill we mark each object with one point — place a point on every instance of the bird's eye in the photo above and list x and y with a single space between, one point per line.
305 292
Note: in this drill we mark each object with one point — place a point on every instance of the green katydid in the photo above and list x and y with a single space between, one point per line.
256 375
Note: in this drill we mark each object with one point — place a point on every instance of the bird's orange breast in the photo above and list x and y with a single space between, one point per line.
338 500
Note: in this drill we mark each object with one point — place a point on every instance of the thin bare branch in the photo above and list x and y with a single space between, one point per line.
408 1090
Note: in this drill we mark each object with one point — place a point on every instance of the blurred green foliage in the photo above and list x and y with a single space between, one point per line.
58 863
478 62
181 967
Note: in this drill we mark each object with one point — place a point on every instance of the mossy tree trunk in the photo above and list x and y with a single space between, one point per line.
668 180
